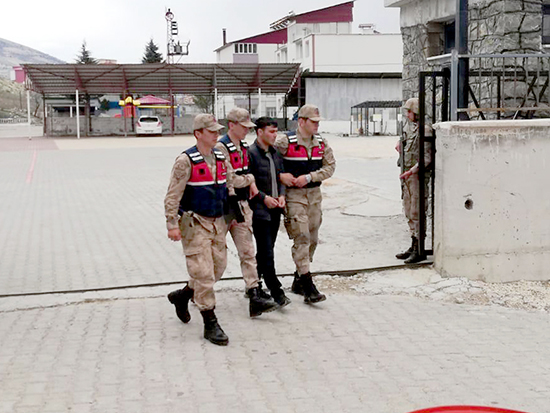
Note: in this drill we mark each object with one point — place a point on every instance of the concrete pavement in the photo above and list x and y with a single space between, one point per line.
353 353
88 214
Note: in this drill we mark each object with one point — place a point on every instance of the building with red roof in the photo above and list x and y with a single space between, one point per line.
340 68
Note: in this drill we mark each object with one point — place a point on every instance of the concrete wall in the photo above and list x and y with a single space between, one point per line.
335 97
350 53
103 126
492 209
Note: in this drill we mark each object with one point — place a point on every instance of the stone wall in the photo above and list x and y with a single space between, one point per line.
495 27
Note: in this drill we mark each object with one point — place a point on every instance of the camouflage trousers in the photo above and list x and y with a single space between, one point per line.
410 201
303 217
205 251
241 232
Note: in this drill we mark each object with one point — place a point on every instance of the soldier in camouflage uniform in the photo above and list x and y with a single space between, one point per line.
308 160
194 207
410 179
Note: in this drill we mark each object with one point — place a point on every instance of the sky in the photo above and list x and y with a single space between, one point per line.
120 29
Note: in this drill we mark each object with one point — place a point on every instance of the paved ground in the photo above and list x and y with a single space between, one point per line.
88 214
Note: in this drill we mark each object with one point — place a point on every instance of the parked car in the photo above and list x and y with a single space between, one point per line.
149 125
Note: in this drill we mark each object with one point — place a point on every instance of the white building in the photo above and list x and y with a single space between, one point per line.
340 69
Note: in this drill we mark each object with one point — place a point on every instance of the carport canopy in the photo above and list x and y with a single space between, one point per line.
162 78
379 104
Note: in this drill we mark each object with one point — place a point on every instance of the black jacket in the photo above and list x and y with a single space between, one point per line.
259 167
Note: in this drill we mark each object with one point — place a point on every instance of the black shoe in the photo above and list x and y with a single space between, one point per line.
180 299
259 305
415 257
406 254
280 298
297 287
212 330
311 294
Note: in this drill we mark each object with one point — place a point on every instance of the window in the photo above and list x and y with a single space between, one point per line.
271 112
449 42
316 28
546 24
441 38
247 48
306 51
299 50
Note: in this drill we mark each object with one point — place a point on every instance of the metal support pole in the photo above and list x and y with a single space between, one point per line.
216 103
77 116
259 102
44 127
29 112
461 35
445 97
421 167
454 85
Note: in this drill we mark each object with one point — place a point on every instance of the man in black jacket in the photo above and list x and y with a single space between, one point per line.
266 164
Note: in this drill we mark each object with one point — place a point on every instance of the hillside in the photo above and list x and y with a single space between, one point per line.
13 54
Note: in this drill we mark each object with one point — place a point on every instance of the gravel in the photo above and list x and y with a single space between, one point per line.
426 283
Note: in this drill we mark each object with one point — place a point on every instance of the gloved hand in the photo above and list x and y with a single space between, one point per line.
235 208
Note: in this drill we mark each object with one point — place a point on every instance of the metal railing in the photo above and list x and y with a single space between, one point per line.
500 86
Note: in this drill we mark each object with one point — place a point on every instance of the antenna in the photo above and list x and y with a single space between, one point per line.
173 48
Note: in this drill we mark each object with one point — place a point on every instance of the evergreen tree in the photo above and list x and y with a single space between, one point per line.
204 103
151 53
85 58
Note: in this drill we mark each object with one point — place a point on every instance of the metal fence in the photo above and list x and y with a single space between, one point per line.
510 86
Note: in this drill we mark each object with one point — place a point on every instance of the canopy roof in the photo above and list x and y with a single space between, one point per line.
152 100
162 78
377 104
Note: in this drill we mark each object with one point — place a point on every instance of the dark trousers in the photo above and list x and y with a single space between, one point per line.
265 233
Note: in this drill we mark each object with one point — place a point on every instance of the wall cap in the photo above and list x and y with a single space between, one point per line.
494 124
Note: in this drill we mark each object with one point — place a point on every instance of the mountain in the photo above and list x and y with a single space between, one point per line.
13 54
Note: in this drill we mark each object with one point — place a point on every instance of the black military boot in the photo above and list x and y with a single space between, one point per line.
212 330
297 285
259 305
280 298
406 254
263 293
311 294
180 299
415 255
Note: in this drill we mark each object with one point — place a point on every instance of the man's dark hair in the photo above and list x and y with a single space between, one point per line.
264 122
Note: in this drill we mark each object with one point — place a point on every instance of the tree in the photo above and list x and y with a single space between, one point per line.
85 58
151 53
204 103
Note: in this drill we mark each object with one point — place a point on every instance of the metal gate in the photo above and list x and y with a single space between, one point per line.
434 106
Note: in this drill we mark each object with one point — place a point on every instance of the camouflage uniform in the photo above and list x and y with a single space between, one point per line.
203 238
411 184
303 214
241 232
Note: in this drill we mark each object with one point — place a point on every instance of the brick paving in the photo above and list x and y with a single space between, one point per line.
93 217
351 353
